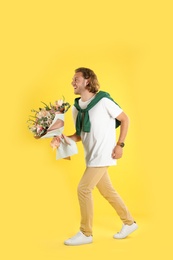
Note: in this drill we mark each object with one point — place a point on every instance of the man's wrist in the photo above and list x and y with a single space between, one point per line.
122 144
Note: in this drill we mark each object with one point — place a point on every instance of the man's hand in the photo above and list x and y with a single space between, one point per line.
117 152
55 143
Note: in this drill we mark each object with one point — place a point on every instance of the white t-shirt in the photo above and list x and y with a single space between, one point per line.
100 141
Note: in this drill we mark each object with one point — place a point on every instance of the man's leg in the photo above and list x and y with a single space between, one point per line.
107 190
91 177
89 180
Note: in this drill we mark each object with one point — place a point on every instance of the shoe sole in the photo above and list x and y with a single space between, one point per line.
66 244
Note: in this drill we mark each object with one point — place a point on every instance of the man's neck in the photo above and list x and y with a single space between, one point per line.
87 96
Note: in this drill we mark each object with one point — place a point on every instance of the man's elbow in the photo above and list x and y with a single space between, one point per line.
123 118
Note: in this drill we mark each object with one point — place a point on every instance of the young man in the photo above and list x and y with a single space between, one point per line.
96 116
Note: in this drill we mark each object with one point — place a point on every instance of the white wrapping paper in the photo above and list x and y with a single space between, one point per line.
67 146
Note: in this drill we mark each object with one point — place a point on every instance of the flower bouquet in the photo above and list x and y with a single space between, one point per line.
48 122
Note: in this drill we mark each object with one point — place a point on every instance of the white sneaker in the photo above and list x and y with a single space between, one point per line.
78 239
126 230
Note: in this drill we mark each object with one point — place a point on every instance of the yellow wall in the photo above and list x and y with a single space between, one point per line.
128 44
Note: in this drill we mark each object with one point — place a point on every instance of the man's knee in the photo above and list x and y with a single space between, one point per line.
83 190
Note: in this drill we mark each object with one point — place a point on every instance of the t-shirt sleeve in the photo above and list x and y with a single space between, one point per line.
113 109
74 114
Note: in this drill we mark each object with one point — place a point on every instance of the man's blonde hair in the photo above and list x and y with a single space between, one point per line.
93 85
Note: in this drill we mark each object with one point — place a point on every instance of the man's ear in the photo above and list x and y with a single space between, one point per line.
87 82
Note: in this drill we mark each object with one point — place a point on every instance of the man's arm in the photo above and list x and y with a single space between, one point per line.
118 150
75 137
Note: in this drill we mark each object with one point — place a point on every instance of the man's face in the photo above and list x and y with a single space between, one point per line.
79 83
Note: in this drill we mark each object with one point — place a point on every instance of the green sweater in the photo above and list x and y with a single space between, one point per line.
82 120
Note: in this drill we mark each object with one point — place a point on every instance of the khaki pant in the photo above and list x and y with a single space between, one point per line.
98 176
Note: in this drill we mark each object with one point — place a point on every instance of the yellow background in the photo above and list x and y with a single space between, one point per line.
129 46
